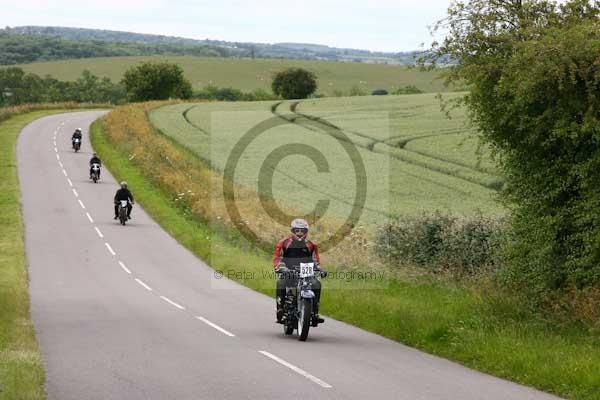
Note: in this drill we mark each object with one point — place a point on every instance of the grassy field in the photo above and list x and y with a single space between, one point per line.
246 75
482 328
399 180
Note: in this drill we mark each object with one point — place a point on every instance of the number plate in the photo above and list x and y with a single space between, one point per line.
307 269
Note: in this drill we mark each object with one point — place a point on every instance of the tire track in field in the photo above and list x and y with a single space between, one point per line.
288 176
190 122
293 120
297 117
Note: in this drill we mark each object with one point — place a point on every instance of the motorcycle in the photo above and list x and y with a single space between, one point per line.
76 144
95 172
300 301
123 211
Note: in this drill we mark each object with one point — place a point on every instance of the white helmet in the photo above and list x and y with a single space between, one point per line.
299 223
78 130
124 185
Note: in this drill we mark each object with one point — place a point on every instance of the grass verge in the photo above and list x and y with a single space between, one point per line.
486 331
21 369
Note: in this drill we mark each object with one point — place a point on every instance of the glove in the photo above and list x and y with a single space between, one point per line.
281 268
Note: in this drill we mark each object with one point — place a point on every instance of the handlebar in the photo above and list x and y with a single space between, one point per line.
297 267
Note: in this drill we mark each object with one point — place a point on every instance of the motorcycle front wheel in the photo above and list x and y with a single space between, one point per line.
304 319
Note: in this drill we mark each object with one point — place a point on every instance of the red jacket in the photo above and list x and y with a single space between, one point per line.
285 243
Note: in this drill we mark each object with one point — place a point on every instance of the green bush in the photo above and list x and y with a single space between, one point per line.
156 81
357 91
438 243
533 72
294 83
232 94
379 92
408 89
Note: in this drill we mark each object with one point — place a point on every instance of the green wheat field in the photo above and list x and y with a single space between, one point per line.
415 159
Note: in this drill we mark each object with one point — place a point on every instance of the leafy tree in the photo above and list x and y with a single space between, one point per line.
156 81
17 87
534 73
294 83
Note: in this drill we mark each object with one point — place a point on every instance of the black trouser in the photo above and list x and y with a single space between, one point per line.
288 280
91 171
129 207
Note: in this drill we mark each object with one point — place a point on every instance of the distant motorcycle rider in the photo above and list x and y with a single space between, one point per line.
291 251
95 160
76 135
123 194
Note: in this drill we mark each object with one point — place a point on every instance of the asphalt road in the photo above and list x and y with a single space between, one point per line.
128 313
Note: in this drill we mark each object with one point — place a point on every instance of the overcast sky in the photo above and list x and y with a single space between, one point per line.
386 25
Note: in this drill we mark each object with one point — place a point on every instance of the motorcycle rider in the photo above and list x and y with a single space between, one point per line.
76 135
291 251
95 160
123 194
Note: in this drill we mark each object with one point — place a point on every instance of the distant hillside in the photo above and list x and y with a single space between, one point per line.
22 48
184 46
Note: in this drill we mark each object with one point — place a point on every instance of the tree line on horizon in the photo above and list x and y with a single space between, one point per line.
142 82
23 49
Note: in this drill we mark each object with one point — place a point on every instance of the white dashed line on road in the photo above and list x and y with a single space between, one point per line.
64 172
81 204
172 302
296 369
75 193
98 231
110 249
89 217
55 148
70 183
61 165
217 327
58 157
143 284
124 267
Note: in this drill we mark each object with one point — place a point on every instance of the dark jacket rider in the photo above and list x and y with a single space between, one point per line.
291 251
123 194
76 135
95 160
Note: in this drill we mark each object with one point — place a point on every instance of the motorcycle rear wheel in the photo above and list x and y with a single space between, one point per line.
288 329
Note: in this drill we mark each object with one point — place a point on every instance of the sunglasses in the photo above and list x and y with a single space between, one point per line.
299 230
